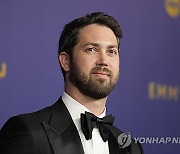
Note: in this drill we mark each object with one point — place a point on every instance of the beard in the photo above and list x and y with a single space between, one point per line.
94 88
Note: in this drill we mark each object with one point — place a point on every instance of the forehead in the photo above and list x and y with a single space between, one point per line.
97 33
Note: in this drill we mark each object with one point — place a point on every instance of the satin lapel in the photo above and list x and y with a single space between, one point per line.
113 143
61 131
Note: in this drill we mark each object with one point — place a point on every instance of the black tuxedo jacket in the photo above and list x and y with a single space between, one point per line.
51 131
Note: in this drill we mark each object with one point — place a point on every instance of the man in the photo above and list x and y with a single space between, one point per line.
89 59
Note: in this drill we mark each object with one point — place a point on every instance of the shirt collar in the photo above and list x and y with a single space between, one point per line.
75 109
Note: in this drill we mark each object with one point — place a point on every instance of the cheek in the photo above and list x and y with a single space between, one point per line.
116 67
117 71
86 63
84 66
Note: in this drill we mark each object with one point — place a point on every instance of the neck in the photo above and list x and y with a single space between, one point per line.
96 106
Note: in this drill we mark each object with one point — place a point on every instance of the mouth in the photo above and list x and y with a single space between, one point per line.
101 74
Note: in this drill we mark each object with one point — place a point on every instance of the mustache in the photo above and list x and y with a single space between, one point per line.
101 69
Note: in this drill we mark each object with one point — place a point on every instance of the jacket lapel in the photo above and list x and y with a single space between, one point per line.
61 131
113 143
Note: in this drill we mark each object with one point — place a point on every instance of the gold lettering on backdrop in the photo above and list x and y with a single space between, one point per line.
172 8
3 70
151 90
161 91
157 91
173 93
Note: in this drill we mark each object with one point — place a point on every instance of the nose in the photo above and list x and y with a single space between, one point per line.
102 59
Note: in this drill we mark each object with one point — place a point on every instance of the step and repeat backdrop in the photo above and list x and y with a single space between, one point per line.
146 100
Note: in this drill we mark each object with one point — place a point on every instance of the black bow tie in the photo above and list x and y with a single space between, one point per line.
89 121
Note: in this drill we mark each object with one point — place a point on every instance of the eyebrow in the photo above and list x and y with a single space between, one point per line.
96 45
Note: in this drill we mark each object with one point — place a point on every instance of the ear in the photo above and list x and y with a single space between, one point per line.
64 61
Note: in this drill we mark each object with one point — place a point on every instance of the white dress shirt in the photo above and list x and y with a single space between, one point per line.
95 145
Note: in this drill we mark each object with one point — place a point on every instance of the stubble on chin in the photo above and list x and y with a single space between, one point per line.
96 88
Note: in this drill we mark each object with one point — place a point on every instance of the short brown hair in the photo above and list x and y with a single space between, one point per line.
70 33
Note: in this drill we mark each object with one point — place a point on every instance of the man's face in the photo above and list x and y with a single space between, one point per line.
94 68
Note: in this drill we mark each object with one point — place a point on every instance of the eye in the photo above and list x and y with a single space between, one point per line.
112 52
92 49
